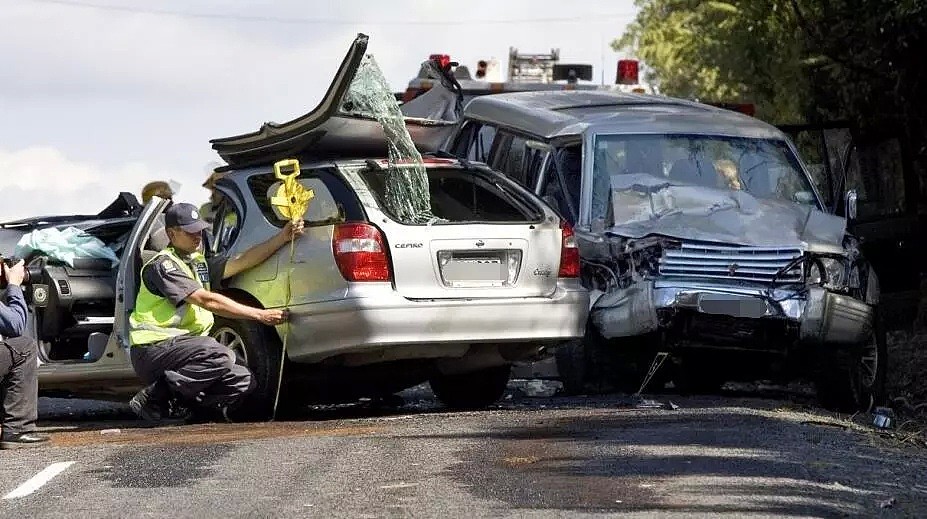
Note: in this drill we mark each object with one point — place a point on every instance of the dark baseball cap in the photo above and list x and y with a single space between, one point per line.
185 216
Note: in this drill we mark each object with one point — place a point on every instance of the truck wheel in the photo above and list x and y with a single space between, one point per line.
474 390
852 378
258 348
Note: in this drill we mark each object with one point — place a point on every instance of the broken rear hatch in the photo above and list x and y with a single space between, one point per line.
486 238
336 128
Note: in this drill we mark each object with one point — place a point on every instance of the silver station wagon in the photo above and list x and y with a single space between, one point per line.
480 275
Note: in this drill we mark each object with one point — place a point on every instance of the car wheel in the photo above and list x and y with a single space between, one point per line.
258 348
473 390
853 378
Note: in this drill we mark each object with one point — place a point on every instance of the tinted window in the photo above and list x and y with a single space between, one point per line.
877 174
563 181
509 157
481 142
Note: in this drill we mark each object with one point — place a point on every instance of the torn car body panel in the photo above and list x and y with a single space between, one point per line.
336 128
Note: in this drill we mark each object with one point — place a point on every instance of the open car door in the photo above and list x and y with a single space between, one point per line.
876 167
61 319
339 127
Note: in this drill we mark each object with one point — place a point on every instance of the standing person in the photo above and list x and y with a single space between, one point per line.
171 349
19 383
208 210
158 188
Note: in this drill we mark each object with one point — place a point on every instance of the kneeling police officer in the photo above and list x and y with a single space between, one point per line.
171 349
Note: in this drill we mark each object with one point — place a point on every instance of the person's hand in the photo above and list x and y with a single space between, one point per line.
16 274
271 317
292 230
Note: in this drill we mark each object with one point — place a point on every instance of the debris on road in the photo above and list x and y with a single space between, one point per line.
888 503
111 431
883 418
640 402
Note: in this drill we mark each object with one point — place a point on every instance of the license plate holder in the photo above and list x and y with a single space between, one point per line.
732 305
470 270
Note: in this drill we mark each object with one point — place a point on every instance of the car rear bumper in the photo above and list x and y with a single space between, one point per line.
378 317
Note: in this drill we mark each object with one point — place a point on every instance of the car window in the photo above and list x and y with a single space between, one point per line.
562 182
323 208
481 142
877 175
509 157
764 168
226 225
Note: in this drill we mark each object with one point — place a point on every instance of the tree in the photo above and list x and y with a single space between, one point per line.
723 51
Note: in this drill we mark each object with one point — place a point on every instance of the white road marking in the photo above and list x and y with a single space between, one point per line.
39 479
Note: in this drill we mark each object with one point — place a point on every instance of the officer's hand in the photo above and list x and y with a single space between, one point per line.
271 317
291 230
16 274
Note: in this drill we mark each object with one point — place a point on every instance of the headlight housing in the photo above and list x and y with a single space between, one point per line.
834 273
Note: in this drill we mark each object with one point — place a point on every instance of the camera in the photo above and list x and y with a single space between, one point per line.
10 262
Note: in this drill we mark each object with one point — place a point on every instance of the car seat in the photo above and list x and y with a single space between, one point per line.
157 240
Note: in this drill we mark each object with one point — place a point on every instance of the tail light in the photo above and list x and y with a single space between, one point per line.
360 253
569 253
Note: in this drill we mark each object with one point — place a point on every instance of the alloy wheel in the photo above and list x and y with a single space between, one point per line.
230 338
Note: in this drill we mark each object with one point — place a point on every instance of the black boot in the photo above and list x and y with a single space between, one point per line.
148 404
22 440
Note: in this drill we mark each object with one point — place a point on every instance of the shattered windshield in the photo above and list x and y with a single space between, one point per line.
764 168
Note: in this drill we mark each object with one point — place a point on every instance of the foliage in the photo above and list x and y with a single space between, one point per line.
796 59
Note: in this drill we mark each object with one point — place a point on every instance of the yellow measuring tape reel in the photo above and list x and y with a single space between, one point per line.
292 202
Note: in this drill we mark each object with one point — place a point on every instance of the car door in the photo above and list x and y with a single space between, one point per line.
840 159
112 373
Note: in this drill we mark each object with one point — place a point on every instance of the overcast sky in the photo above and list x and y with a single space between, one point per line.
95 100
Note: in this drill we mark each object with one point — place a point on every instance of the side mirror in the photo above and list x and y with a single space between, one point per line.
851 200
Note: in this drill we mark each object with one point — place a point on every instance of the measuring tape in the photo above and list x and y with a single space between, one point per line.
292 201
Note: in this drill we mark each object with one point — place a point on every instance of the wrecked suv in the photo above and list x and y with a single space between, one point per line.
700 235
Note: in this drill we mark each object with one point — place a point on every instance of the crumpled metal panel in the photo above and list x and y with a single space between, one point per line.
644 205
407 196
625 312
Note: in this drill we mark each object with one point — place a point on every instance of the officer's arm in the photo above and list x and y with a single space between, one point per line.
260 252
224 306
13 312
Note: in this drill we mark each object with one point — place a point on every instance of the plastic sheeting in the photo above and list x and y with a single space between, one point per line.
407 197
67 245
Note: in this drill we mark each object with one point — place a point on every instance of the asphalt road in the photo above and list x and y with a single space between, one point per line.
530 456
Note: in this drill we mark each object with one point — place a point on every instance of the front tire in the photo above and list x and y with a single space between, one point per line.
258 348
474 390
852 378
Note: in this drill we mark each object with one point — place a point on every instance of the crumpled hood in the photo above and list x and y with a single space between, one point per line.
645 205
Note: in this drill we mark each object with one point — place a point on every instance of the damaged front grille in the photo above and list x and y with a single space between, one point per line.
702 260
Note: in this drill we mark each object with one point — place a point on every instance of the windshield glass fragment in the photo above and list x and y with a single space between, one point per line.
406 193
